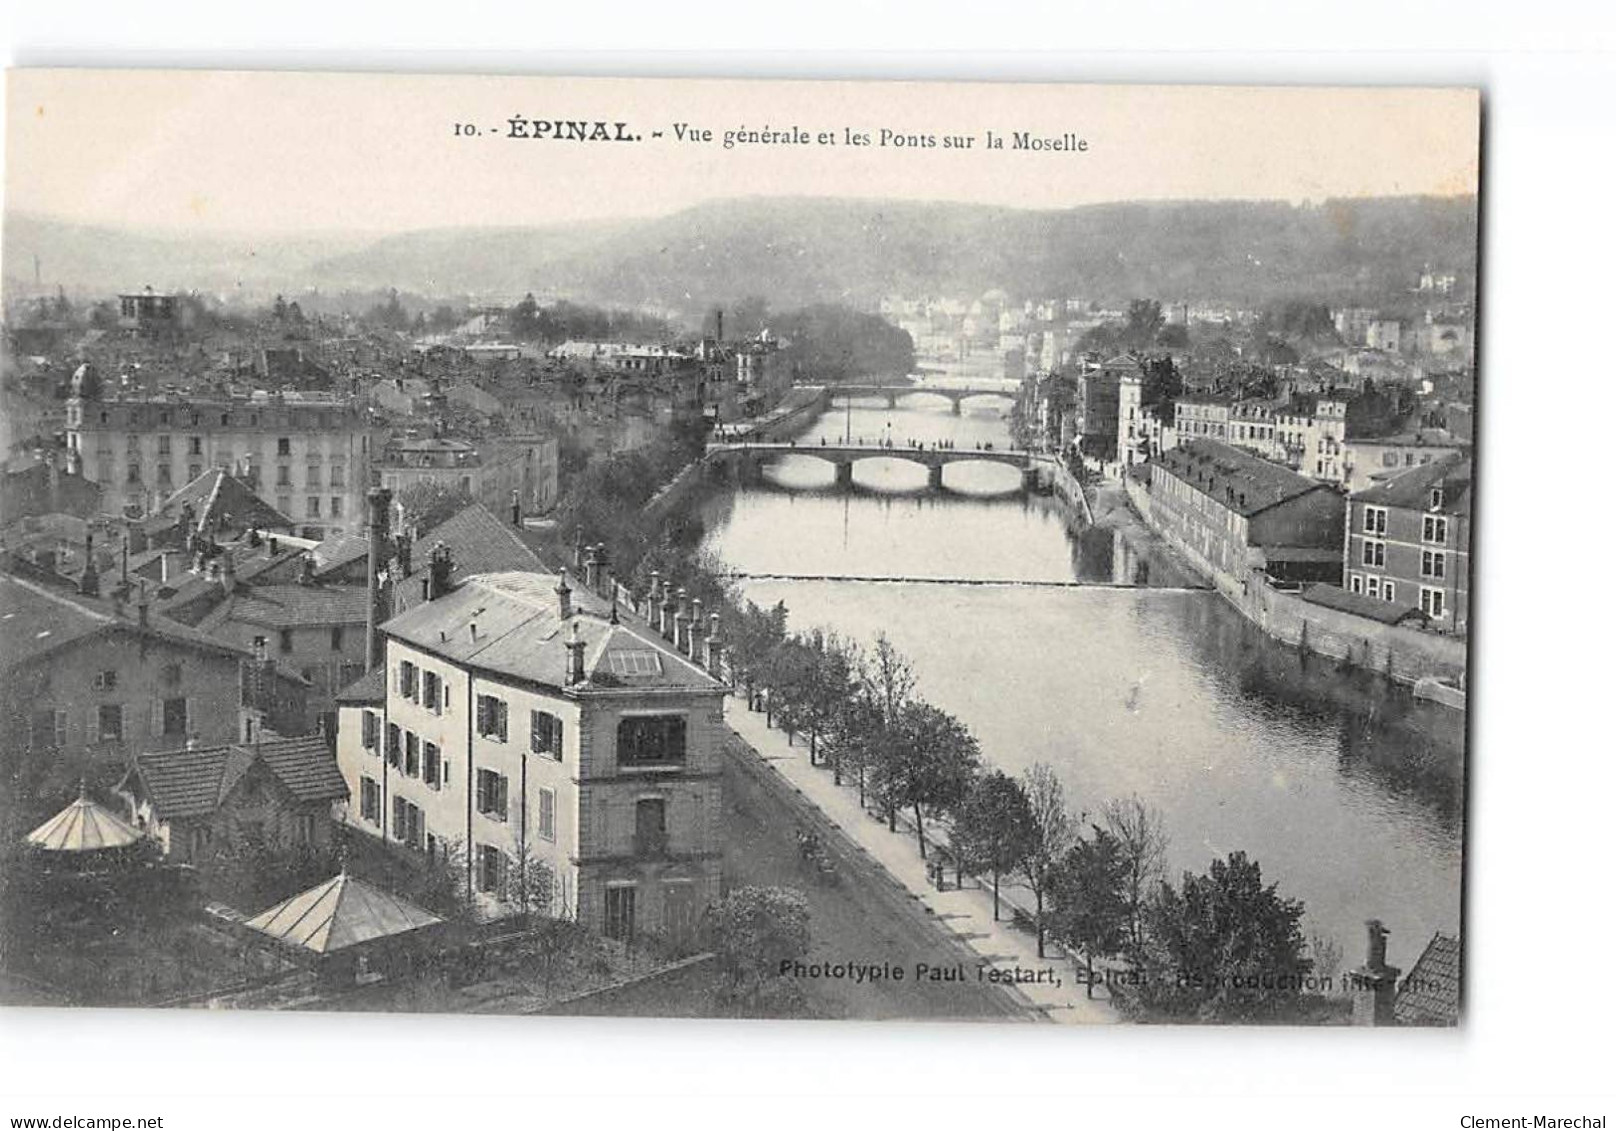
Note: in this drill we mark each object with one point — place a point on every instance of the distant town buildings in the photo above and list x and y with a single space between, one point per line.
497 472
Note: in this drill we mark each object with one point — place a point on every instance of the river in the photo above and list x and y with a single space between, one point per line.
1087 650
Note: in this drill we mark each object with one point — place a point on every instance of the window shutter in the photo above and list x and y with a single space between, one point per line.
92 730
156 717
560 731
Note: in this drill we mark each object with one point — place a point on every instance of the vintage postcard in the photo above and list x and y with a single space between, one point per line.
718 548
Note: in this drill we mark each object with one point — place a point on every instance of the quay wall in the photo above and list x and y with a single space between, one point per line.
1404 655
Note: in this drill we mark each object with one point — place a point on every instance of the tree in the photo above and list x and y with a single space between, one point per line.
1052 835
927 763
993 827
1137 829
755 931
889 680
1229 948
427 502
1145 321
1088 891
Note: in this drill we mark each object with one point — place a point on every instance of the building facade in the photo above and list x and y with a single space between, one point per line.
496 473
567 762
307 455
1408 542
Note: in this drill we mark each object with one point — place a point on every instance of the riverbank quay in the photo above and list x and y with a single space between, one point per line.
1004 955
1403 655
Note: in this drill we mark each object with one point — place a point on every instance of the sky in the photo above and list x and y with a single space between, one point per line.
286 153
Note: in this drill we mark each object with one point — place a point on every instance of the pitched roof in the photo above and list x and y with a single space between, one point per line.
1411 489
216 495
368 688
1243 482
1429 994
1359 604
84 826
334 553
520 633
479 544
35 621
292 606
341 912
189 783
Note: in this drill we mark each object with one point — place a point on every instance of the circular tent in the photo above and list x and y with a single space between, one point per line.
84 826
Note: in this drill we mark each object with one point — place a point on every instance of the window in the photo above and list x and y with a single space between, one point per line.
1355 582
1433 563
132 475
492 794
338 479
407 674
1389 590
283 446
163 446
432 765
336 504
286 640
650 826
620 912
546 734
1431 602
1372 586
547 812
370 730
651 739
490 871
303 828
109 722
412 754
409 826
283 477
370 800
1388 459
1434 528
47 730
196 445
1374 553
1436 498
432 691
492 717
313 504
105 680
395 746
173 716
1374 520
201 840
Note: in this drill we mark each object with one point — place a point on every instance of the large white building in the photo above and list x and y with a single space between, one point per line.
307 454
568 762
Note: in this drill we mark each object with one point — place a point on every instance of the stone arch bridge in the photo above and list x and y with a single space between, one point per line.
743 459
895 393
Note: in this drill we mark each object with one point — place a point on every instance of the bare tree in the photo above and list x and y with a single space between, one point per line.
1142 841
1053 834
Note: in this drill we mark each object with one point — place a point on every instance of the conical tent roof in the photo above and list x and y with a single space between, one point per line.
84 826
340 912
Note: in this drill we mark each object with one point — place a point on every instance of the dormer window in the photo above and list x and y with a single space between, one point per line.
1436 498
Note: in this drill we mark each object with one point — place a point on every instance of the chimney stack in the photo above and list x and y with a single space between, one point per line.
575 657
1374 984
665 611
143 609
681 625
715 649
591 568
228 571
563 593
516 507
378 499
440 566
90 579
698 626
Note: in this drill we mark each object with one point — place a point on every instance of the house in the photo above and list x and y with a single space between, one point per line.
202 802
1232 512
45 488
1373 458
86 685
567 759
1429 995
217 504
1408 542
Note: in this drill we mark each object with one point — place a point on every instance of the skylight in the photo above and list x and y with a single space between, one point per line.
632 662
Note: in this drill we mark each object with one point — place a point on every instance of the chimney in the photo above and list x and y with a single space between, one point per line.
563 593
715 648
681 624
718 327
516 507
274 545
575 657
124 579
378 499
665 618
403 546
440 566
698 626
1374 984
89 580
655 594
228 571
306 573
591 568
143 608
